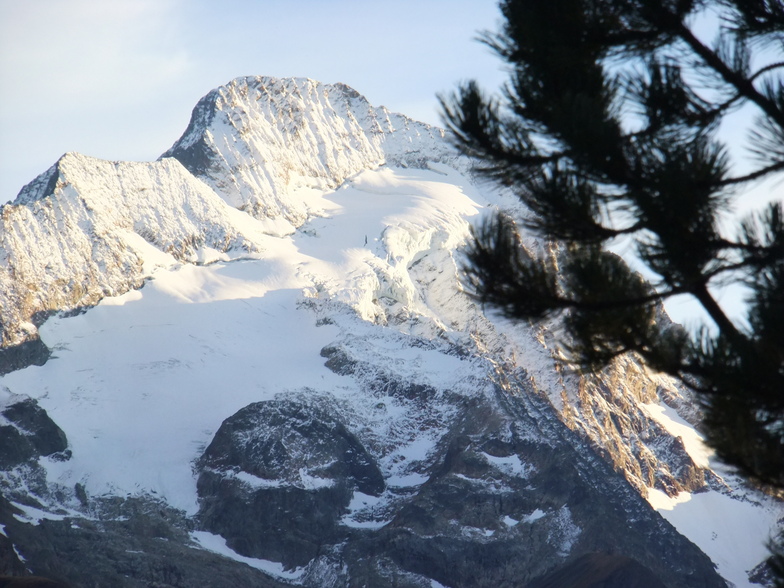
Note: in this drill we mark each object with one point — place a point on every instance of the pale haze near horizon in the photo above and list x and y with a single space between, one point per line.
118 79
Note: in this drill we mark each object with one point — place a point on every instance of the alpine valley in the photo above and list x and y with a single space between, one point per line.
252 363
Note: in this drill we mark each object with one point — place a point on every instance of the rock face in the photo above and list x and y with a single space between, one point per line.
507 493
599 570
28 434
610 409
277 478
142 544
257 137
30 352
301 393
30 582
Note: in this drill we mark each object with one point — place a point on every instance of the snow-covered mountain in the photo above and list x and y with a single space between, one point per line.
252 363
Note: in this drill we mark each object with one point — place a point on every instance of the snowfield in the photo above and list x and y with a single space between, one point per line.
142 381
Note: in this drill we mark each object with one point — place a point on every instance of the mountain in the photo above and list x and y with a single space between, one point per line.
252 363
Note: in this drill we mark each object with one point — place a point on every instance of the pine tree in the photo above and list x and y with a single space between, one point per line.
608 129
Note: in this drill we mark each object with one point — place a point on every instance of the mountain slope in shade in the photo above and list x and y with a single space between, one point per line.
301 393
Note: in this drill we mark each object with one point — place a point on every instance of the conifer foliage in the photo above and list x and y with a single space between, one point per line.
608 129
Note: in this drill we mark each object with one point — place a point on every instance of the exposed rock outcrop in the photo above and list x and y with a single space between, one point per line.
256 138
278 477
507 495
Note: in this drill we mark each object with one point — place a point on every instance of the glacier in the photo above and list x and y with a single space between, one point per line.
271 317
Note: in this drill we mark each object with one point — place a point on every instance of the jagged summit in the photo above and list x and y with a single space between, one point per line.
255 138
89 228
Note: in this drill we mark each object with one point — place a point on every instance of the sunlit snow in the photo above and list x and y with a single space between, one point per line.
739 527
141 382
732 531
677 427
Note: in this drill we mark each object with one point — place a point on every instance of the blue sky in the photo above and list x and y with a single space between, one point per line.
117 79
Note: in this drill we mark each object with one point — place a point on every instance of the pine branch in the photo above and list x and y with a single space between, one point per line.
742 84
726 326
666 183
768 68
756 175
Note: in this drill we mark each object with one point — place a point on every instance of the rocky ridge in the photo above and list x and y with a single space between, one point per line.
256 137
83 229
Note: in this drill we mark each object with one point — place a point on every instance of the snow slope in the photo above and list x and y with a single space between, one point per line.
216 338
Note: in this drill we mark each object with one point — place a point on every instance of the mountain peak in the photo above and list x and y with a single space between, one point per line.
256 138
79 231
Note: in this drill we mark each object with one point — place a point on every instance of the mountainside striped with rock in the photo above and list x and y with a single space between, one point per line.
252 362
